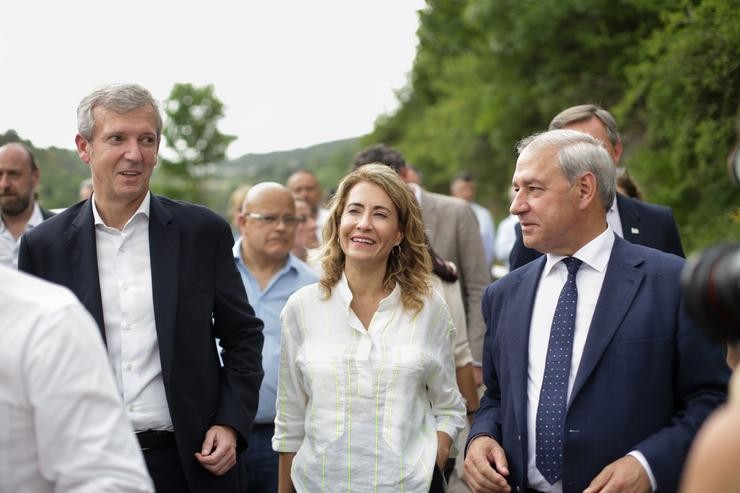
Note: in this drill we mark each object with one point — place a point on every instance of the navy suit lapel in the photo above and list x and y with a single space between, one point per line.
629 216
164 254
79 241
621 282
518 339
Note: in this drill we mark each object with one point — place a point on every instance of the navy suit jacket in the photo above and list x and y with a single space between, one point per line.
642 223
198 296
647 379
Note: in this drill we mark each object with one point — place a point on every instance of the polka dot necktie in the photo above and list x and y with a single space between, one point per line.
554 392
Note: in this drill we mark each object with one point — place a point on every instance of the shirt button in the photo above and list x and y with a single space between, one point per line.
129 367
124 286
131 407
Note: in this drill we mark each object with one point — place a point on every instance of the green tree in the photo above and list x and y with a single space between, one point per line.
192 137
489 72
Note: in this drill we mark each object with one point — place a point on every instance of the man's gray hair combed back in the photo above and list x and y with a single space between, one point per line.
578 153
584 112
120 98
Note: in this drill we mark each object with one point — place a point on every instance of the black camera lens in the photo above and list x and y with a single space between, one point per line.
711 283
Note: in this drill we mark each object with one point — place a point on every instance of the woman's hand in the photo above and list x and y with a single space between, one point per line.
444 442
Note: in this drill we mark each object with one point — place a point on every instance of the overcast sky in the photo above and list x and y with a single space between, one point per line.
291 73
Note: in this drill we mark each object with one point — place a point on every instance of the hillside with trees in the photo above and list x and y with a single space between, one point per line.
489 72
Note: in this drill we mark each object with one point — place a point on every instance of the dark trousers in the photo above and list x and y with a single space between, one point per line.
261 462
165 469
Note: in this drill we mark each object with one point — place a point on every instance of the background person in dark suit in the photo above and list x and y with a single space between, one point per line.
635 221
158 277
596 379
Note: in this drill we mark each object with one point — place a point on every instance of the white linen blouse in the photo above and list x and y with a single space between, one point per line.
361 408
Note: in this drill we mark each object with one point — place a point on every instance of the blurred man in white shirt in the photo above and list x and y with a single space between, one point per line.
63 427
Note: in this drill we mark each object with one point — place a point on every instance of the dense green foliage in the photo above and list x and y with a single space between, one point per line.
489 72
191 134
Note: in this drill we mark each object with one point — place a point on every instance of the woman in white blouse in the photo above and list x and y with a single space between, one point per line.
367 398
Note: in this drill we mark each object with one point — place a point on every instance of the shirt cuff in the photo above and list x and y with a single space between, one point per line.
644 463
470 440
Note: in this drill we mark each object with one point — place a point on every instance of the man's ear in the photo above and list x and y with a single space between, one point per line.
35 179
587 190
618 152
83 148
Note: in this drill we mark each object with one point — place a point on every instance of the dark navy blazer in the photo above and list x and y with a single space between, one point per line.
647 379
642 223
198 296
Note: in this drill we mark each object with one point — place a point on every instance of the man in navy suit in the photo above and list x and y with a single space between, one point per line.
635 221
158 277
612 403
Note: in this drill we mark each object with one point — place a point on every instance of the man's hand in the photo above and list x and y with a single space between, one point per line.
218 453
486 468
623 475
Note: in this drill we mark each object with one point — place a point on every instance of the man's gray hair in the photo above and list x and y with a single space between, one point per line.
120 98
584 112
578 153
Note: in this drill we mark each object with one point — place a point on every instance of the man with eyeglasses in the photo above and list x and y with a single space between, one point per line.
271 274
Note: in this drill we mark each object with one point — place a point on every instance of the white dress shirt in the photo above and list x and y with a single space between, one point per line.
361 408
589 280
62 427
124 268
505 238
487 230
614 220
9 245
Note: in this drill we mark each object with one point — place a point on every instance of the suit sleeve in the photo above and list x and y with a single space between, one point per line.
474 277
25 262
240 333
672 238
701 377
488 418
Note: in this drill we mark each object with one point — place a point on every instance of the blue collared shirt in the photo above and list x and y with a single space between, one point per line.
267 306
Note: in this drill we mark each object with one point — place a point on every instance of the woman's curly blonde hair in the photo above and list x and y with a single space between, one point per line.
411 266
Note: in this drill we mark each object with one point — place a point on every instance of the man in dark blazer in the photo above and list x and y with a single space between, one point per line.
158 277
635 221
596 379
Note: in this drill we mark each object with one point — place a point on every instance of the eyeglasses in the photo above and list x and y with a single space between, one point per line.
271 220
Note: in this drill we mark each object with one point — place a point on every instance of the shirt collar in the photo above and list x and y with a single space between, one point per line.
290 264
595 253
416 190
36 217
613 208
33 221
387 303
143 209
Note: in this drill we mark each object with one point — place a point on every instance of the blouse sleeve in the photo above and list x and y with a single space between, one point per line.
290 406
447 404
